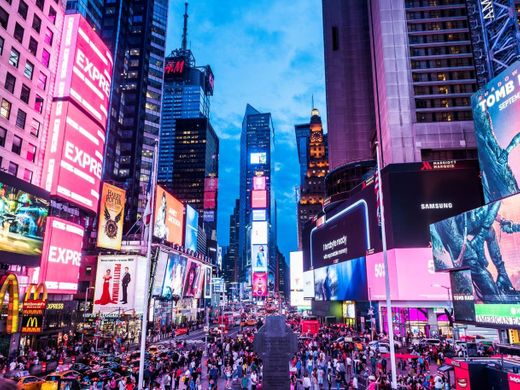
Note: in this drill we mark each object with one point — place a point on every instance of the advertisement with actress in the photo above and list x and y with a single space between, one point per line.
259 258
259 284
342 281
168 217
194 280
174 276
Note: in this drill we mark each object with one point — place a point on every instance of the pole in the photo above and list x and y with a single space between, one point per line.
148 267
393 366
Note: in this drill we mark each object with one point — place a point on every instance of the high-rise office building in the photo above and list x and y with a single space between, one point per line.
92 10
136 33
257 233
231 258
312 153
30 34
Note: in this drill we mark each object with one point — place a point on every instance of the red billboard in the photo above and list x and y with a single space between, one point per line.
61 257
74 156
260 284
85 68
259 199
210 200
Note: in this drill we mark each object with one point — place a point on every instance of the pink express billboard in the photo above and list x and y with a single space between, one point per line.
85 68
412 276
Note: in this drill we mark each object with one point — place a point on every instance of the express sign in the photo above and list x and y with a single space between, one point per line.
74 156
61 258
85 68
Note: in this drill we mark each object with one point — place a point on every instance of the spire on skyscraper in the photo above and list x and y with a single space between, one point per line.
184 44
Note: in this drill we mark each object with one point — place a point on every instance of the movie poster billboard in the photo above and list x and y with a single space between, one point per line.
259 256
168 217
342 281
174 276
160 273
496 113
61 257
463 298
192 228
120 284
23 212
207 282
485 241
194 280
259 284
111 217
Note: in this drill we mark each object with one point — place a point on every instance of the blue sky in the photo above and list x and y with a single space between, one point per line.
268 53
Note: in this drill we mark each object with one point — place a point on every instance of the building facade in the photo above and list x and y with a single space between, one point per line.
231 257
92 10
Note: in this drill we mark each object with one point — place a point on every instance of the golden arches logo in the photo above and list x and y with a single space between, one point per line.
32 322
9 284
35 289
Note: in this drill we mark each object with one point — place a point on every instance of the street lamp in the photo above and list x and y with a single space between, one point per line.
85 312
448 289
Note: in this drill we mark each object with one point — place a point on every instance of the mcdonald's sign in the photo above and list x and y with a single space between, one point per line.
9 284
32 324
35 305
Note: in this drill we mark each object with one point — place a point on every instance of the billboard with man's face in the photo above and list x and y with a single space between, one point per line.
168 217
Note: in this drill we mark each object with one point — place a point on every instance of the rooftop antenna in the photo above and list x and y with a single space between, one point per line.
312 102
185 28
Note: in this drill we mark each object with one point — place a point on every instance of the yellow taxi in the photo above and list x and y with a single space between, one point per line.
29 382
61 380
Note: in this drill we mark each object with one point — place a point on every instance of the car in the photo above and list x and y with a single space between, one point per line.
62 380
430 342
251 322
80 367
29 382
181 331
155 349
397 343
379 346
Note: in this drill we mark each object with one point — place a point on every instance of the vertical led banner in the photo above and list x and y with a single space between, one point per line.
192 228
259 256
296 273
259 284
111 217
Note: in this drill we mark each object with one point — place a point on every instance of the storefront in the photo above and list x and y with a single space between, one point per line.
418 321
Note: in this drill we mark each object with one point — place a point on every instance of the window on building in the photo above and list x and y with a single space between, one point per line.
27 175
31 153
46 58
22 9
14 57
40 4
3 136
5 109
28 70
10 82
49 36
4 18
335 38
13 168
17 145
35 128
2 41
21 117
52 15
38 103
18 33
25 94
42 81
33 46
37 23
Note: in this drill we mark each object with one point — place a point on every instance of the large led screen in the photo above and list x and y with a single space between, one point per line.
486 241
74 156
174 276
160 273
120 284
296 278
259 183
111 217
496 113
192 228
259 257
406 264
463 295
341 281
259 232
259 284
168 218
23 212
259 199
207 282
194 280
308 284
84 68
61 259
258 158
258 215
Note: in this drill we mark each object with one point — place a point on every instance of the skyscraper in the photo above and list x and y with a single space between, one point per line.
231 258
313 156
257 205
92 10
136 33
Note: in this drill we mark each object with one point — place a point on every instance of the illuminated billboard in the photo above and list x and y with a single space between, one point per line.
210 200
194 280
342 281
207 282
174 276
211 184
259 232
120 282
259 284
259 183
176 68
308 284
84 68
23 212
168 217
259 257
74 156
192 228
496 112
160 273
61 258
111 217
406 264
259 199
258 215
296 273
258 158
485 241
